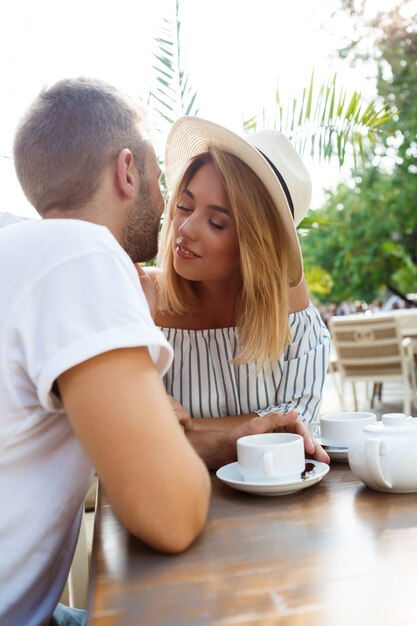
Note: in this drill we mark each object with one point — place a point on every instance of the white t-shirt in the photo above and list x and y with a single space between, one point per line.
6 219
68 292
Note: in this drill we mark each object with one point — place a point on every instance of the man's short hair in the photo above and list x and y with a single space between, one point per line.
68 136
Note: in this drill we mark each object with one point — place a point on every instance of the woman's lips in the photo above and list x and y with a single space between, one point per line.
185 253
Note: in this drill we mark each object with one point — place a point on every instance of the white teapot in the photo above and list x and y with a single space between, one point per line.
384 454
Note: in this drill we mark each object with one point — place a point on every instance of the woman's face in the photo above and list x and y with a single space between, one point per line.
205 240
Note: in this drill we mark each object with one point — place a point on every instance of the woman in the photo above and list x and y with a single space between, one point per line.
231 294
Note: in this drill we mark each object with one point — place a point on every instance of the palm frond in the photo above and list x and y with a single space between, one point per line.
327 123
172 95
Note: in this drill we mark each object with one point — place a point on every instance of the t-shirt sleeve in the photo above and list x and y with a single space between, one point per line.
80 309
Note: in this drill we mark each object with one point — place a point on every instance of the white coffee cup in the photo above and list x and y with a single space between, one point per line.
339 429
270 456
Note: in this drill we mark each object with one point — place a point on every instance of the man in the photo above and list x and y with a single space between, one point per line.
80 357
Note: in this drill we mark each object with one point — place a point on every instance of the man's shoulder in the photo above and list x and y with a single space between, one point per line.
67 225
43 246
66 234
6 219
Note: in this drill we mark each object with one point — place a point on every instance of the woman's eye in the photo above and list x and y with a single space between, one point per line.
217 226
183 208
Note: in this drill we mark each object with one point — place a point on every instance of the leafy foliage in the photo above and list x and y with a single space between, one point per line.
373 246
173 95
319 281
326 121
348 247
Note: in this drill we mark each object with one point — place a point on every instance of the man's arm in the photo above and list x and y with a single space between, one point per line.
119 410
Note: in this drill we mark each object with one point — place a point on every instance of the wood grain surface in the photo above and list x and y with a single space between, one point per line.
335 554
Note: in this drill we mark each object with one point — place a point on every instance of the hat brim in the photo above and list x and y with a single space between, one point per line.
191 136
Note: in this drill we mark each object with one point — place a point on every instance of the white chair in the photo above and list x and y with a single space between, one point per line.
373 350
75 593
334 371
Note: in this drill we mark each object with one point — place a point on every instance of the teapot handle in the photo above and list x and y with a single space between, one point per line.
374 449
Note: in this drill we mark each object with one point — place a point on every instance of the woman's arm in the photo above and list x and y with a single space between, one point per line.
215 439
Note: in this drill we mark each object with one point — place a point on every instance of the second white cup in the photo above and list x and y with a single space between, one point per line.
339 429
271 456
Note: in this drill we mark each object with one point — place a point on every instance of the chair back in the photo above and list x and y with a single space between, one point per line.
367 348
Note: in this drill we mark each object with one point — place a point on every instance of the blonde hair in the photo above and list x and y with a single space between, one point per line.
262 307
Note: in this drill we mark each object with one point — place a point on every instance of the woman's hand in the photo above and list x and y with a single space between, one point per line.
181 414
279 423
217 446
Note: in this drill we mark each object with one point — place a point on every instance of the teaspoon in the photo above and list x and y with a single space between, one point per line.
308 470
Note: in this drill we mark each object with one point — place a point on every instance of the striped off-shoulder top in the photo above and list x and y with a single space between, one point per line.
203 379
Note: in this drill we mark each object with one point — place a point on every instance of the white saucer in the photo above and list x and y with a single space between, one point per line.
335 453
230 475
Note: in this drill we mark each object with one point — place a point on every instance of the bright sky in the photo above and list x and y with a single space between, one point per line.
234 50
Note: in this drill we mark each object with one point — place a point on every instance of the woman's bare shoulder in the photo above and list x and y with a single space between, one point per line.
161 318
298 297
154 273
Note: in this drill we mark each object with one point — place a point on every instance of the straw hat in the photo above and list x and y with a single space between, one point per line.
267 152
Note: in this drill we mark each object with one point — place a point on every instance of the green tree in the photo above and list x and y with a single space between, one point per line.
398 45
348 243
370 244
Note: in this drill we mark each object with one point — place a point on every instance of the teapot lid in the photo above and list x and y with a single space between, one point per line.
393 423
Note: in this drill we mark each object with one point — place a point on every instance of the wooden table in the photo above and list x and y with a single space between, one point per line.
335 554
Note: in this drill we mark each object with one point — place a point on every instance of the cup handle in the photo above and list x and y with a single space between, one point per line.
268 463
374 449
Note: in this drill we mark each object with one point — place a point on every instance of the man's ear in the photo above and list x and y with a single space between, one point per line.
126 173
